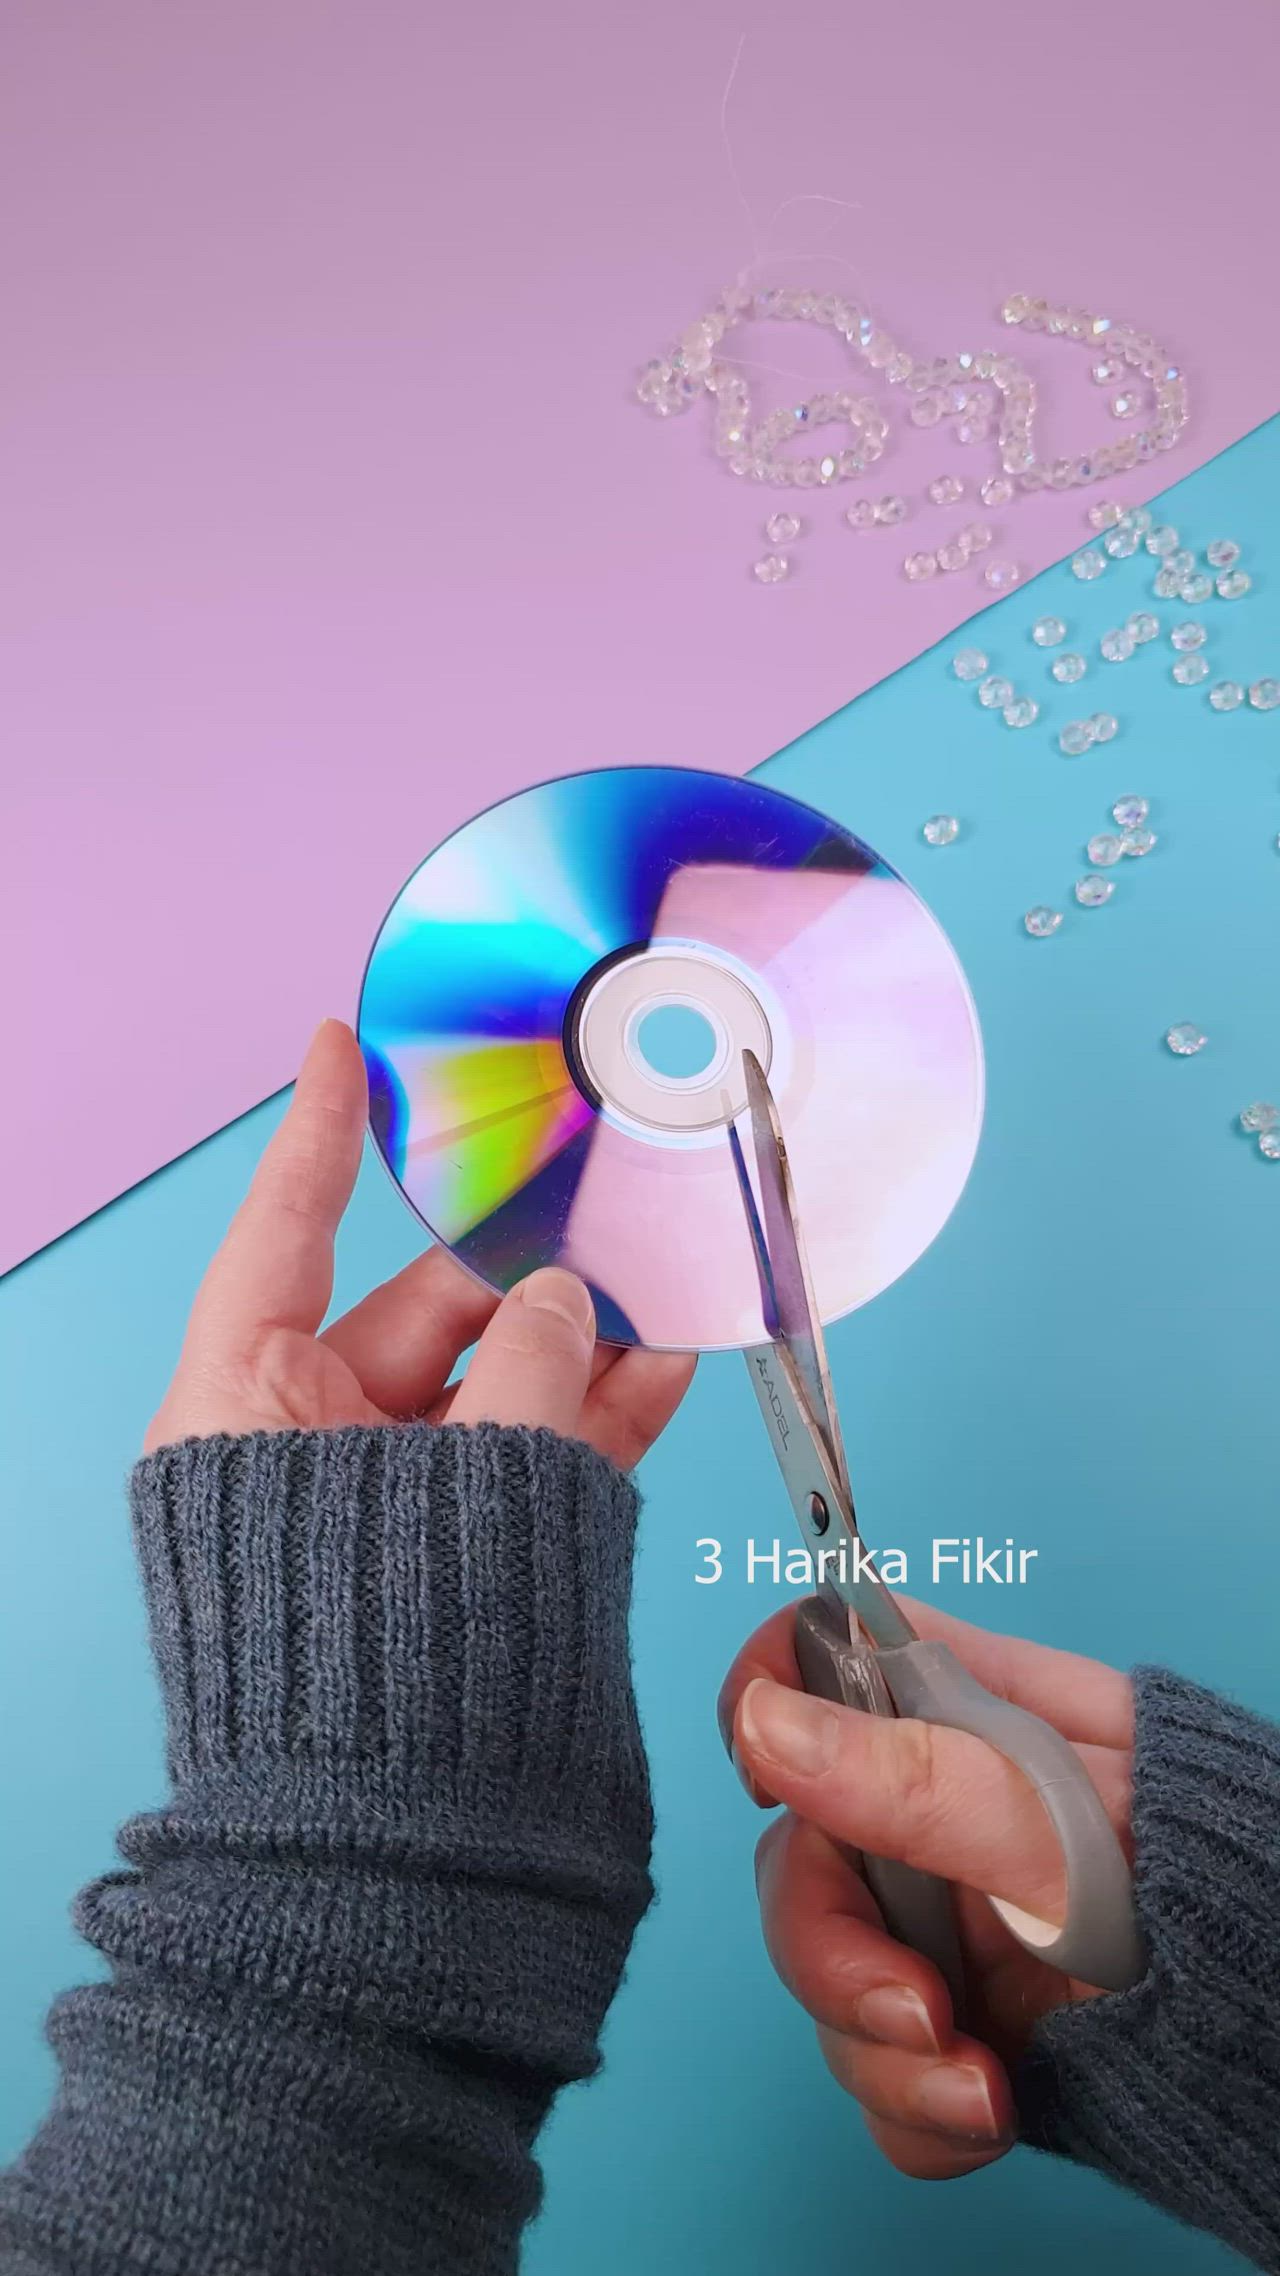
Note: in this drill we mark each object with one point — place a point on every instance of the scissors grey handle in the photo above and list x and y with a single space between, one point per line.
1098 1939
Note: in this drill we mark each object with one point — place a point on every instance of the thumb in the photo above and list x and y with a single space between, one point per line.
533 1362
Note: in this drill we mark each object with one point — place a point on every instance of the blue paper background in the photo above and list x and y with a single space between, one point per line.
1085 1360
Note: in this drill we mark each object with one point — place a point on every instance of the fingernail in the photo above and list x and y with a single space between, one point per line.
898 2018
955 2098
796 1732
757 1794
554 1291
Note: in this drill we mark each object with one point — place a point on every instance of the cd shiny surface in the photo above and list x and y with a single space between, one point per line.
553 1018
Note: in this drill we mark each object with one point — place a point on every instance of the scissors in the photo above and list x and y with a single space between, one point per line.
854 1644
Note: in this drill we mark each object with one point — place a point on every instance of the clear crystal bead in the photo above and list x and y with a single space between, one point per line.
1089 564
1041 922
1117 646
995 693
1168 585
1138 842
1076 738
969 664
1260 1116
1022 712
1103 373
1121 543
1180 564
1269 1144
1092 891
940 830
1068 668
918 566
1048 631
976 535
1222 553
1140 518
1105 849
1189 671
1105 514
997 490
890 511
773 568
946 490
1264 695
861 514
1233 584
1226 695
1143 627
1196 588
1105 726
1162 540
1185 637
1001 576
1130 810
953 555
1185 1039
1124 405
781 528
926 410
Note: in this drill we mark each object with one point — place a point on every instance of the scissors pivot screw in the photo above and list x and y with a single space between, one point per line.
819 1513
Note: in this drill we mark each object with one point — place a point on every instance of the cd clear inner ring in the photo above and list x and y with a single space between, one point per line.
609 1046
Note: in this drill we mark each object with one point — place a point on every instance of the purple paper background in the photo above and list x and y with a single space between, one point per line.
328 516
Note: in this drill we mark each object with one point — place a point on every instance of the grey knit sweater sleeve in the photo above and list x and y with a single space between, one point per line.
1173 2088
380 1918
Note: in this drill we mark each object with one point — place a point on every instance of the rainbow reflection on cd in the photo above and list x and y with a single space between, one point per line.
502 1020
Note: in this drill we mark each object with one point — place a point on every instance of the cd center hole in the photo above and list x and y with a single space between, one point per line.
676 1041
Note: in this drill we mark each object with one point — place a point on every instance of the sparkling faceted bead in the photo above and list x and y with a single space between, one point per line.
918 566
1143 627
1068 668
1041 922
946 490
953 555
1138 842
1162 540
1189 671
1196 588
1106 371
1121 543
1226 695
1125 404
1140 518
1264 695
1185 637
1168 585
940 830
781 528
995 693
861 514
1130 810
1092 891
1022 712
890 510
1180 564
1076 738
1048 631
1089 564
1105 726
969 664
976 535
1105 850
1223 553
926 410
1185 1039
1001 576
1117 646
773 568
1260 1116
1269 1144
1233 584
997 490
1105 514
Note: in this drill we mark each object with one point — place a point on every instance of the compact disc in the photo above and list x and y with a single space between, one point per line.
553 1019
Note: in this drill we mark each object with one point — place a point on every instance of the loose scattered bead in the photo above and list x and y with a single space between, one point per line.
1117 646
1185 637
1068 668
1189 671
918 566
1226 695
1041 922
773 568
1121 543
890 511
1022 712
1105 726
1222 553
946 490
1140 518
1076 738
1092 891
1047 631
1130 810
997 490
1089 564
1105 849
1196 588
1105 514
1138 842
1264 695
1162 540
926 410
953 555
1269 1145
940 830
1234 584
1180 564
1001 576
1124 405
977 536
1168 585
861 514
995 693
781 528
1260 1116
1143 627
1185 1039
969 664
